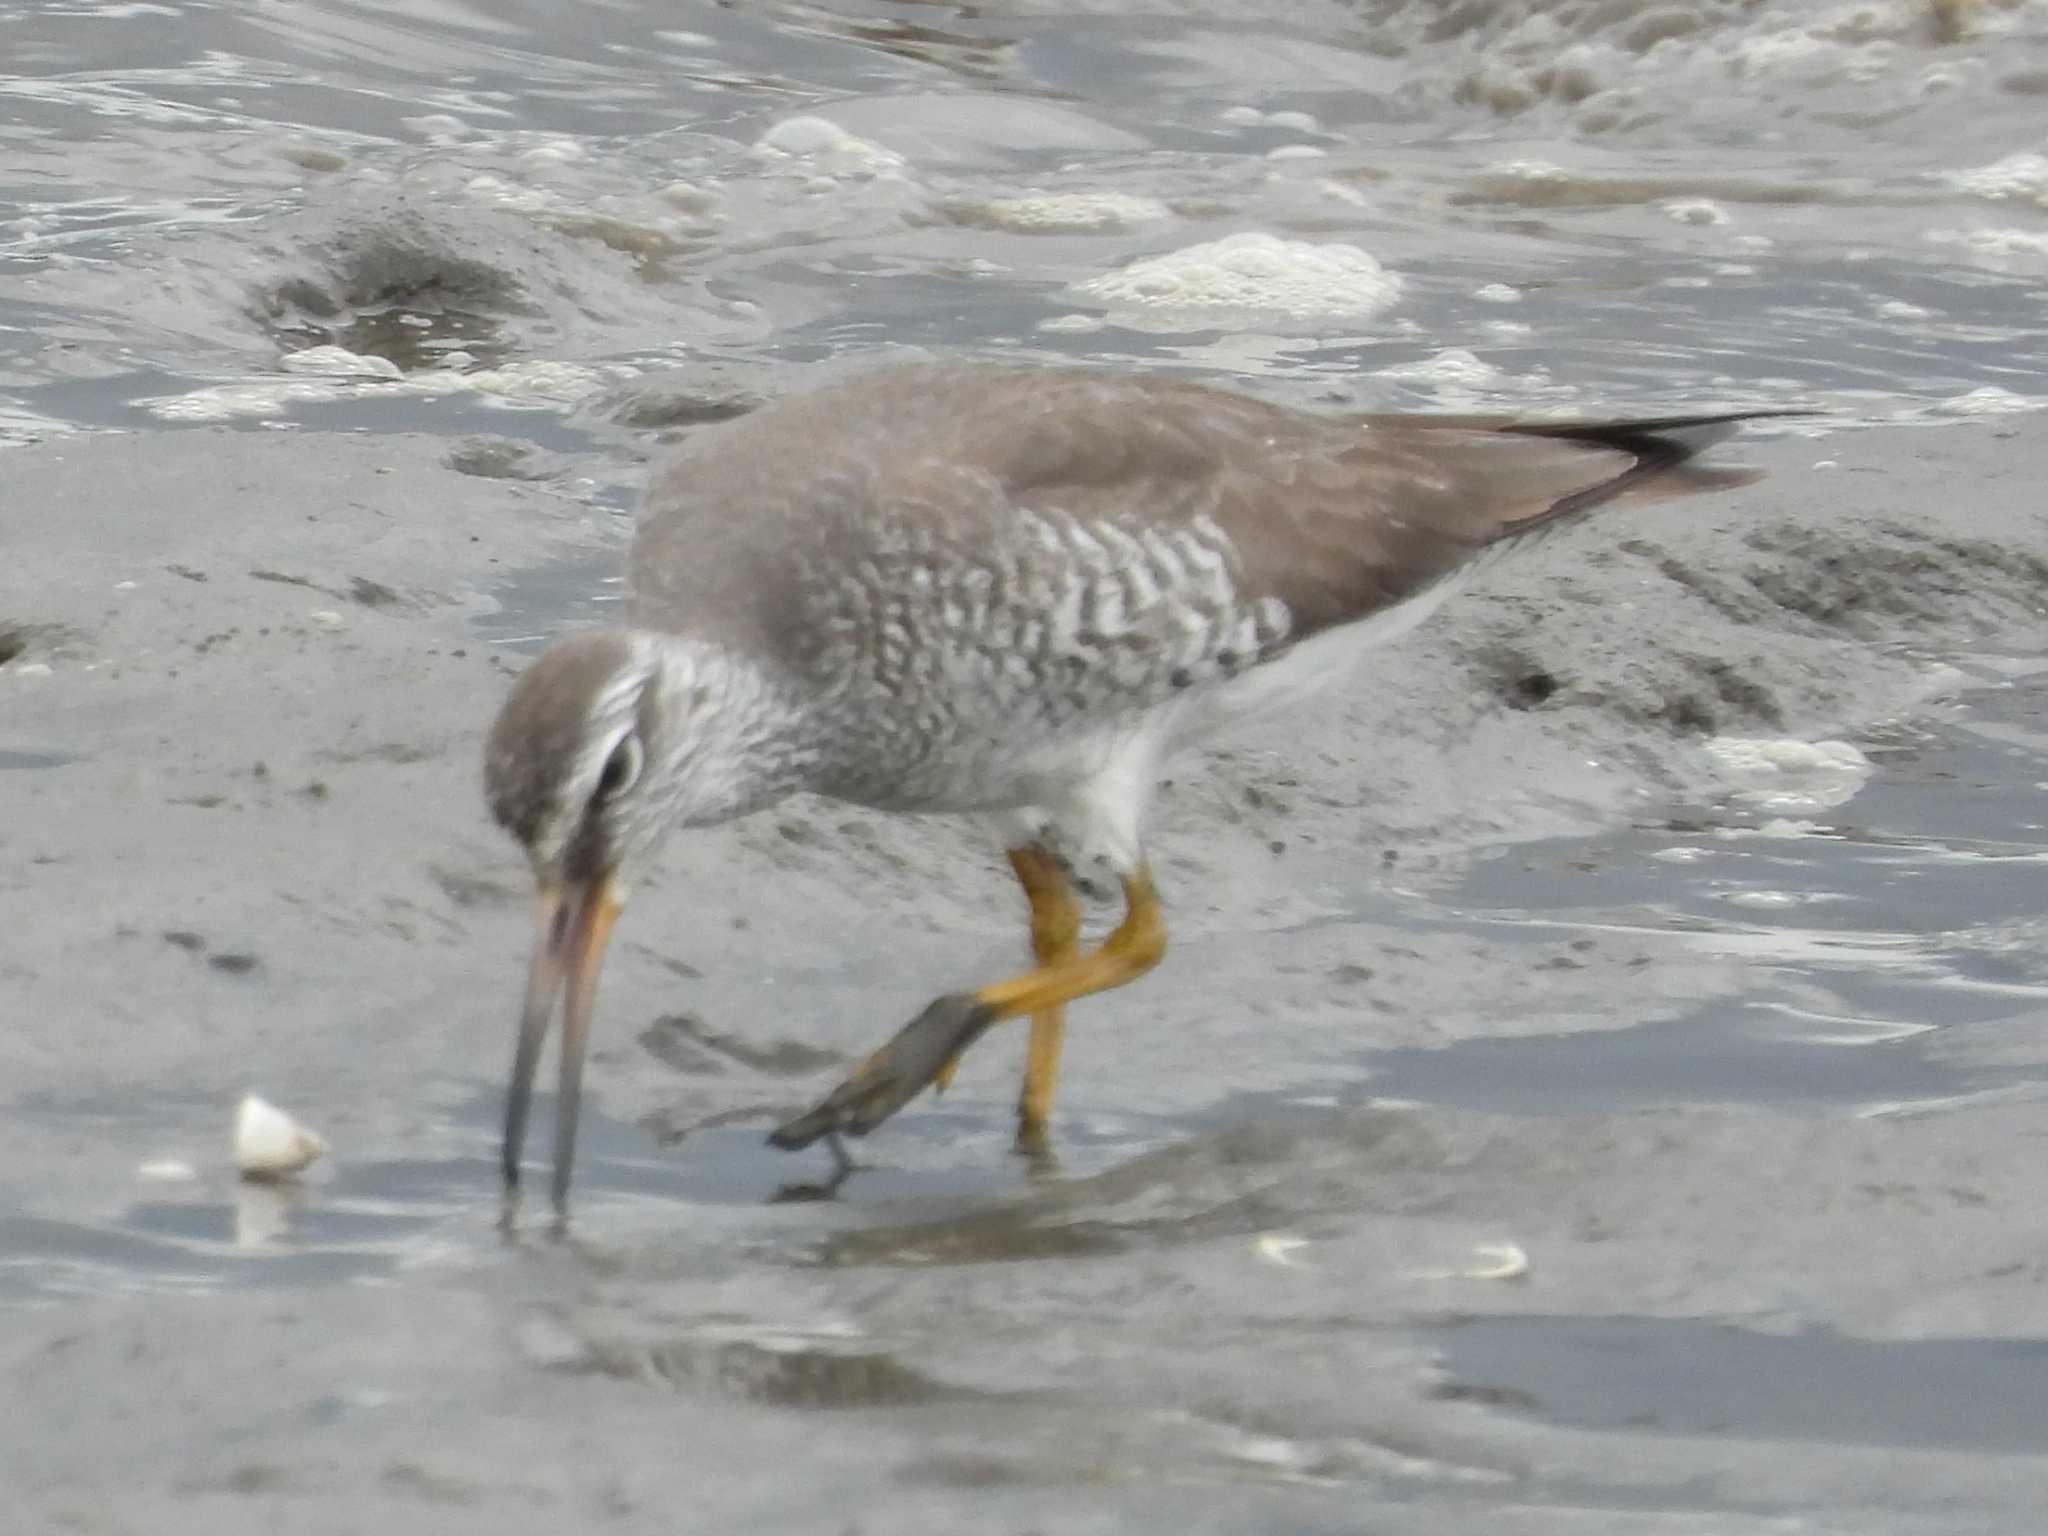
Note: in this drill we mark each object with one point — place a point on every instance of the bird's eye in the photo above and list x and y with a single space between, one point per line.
620 769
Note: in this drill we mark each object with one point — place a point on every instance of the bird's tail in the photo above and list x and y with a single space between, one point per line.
1663 448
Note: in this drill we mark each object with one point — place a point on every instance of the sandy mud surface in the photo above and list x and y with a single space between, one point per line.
1322 1252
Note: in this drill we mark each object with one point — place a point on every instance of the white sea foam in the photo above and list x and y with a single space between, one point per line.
1458 378
1781 50
1783 773
1530 170
826 149
437 127
1452 368
531 385
339 363
2023 243
1988 400
1037 213
1695 210
1254 271
2022 176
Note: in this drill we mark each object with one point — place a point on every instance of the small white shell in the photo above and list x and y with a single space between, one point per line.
1278 1248
1498 1261
1503 1261
269 1143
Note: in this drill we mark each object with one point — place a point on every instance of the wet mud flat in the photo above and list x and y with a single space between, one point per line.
1535 1128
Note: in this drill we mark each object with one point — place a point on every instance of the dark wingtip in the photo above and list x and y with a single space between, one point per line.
1669 436
1663 447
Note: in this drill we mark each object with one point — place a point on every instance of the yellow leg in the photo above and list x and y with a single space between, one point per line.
1055 938
1133 947
927 1049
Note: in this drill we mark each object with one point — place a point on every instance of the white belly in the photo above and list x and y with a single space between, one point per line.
1316 664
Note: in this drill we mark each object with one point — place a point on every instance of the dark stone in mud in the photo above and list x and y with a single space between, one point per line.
19 640
283 578
500 458
403 258
1531 689
372 594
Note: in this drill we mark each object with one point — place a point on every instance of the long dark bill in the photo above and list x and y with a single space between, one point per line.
573 926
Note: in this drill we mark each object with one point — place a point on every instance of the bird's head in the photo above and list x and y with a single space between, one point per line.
606 742
566 766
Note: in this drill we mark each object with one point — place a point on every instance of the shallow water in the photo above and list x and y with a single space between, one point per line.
553 240
1839 206
1887 921
1681 1377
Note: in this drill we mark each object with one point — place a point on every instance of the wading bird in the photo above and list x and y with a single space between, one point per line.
1002 591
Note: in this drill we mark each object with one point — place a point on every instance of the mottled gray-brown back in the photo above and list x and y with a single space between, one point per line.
988 554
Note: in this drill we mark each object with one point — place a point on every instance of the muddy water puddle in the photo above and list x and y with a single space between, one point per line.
358 1219
1682 1376
1868 932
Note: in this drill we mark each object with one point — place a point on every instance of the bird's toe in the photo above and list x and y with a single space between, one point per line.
920 1054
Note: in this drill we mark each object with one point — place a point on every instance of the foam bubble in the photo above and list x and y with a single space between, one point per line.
1993 242
1783 773
436 127
1036 213
1453 368
827 149
1780 50
500 193
339 363
1764 898
1498 293
1988 400
1695 210
1530 170
555 152
2023 176
537 384
1254 271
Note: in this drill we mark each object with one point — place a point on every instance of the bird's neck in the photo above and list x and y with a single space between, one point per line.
738 740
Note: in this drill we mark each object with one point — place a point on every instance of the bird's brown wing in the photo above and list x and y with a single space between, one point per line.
1339 535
